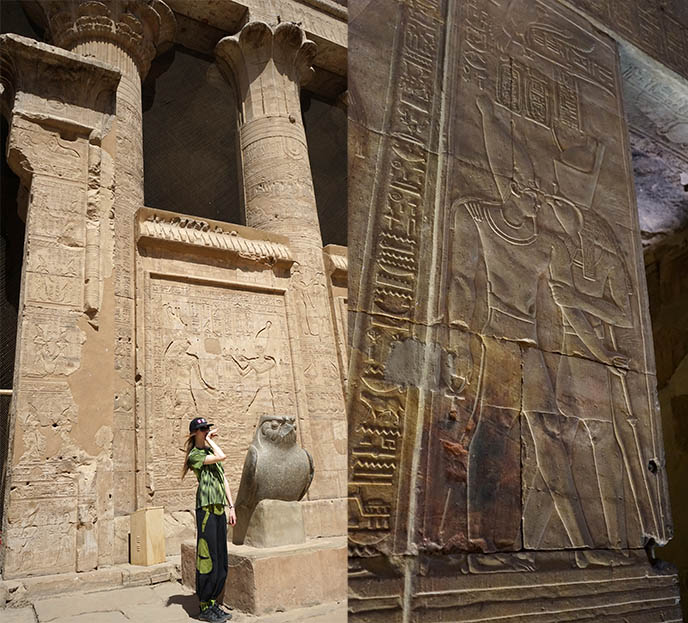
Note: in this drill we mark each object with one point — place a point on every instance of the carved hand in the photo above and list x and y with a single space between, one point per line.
476 210
563 294
620 361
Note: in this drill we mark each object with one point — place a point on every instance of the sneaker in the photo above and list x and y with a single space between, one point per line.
220 612
211 616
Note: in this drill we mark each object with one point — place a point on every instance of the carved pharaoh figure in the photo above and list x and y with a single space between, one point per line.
523 251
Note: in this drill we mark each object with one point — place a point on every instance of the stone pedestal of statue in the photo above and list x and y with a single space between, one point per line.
275 523
278 568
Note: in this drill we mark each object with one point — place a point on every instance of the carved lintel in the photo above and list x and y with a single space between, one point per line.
56 87
234 240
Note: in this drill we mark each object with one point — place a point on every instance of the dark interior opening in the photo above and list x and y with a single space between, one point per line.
190 145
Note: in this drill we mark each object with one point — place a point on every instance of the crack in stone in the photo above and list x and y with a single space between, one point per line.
502 339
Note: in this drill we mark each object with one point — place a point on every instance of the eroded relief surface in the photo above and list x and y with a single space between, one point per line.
658 27
504 396
218 352
544 431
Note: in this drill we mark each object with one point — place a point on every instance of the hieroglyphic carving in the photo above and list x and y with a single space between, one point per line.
377 407
526 91
63 107
44 150
41 519
531 375
656 103
558 47
309 283
215 351
474 47
653 26
46 414
53 343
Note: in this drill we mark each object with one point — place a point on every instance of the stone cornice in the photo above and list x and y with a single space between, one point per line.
336 260
158 226
142 28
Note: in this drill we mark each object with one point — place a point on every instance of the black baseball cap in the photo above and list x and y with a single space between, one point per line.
198 422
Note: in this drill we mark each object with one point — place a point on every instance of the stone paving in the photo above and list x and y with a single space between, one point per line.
168 602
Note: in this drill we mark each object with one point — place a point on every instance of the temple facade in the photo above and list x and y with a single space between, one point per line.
141 305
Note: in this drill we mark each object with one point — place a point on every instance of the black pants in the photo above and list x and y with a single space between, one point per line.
211 553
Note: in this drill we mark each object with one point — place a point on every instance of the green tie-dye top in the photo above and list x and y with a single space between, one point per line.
211 478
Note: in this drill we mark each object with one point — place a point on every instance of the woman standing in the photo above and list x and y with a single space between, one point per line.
205 458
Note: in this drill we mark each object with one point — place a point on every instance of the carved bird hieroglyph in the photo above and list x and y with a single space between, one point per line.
276 468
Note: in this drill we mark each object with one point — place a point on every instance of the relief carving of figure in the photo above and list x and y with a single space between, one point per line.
310 285
600 301
188 388
523 251
260 363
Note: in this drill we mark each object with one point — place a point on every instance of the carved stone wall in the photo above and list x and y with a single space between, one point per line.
216 330
58 507
667 282
502 408
658 27
135 320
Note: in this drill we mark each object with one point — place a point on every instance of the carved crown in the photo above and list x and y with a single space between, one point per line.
142 28
577 171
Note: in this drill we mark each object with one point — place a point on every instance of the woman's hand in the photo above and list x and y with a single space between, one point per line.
231 517
212 433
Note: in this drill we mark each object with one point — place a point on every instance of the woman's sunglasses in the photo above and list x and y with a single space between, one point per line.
205 429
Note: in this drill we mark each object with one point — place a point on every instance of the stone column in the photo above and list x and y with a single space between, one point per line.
126 35
59 514
267 66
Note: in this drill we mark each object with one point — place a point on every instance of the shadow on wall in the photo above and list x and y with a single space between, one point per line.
667 281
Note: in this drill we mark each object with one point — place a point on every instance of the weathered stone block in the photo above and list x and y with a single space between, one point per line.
275 523
262 580
324 518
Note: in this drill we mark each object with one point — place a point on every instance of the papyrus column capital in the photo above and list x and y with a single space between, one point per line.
267 65
140 28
